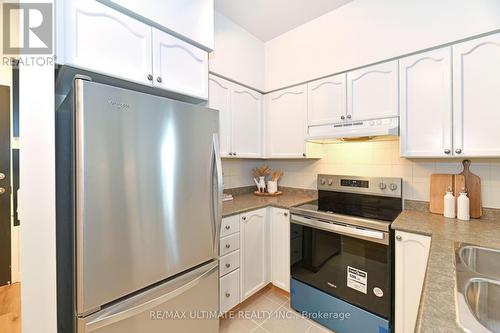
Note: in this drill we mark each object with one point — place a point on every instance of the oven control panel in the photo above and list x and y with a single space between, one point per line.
385 186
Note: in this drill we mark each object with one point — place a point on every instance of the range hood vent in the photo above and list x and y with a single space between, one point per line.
366 130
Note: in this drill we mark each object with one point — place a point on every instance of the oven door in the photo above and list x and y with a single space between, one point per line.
348 262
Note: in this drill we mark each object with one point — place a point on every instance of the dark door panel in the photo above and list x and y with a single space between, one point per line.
5 241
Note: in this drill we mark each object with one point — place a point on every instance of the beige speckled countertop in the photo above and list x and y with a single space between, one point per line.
437 307
246 202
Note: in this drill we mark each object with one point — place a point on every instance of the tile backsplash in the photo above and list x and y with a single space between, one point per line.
369 159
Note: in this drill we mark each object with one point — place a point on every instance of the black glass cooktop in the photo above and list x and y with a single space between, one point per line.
355 204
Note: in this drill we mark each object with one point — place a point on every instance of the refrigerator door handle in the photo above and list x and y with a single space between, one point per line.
216 175
135 305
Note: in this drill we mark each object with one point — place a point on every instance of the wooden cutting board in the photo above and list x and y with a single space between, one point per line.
473 188
439 186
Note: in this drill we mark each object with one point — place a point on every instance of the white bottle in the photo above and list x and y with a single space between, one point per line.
449 204
463 203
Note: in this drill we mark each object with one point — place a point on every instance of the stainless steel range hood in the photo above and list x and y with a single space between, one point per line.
373 129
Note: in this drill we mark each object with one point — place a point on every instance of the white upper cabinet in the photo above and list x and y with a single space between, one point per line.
476 101
372 92
253 252
219 99
426 104
179 66
286 122
246 131
98 38
327 100
240 118
193 19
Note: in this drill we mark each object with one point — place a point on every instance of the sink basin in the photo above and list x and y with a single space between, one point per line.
481 260
483 298
478 288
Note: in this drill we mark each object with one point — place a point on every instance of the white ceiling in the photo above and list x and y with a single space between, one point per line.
266 19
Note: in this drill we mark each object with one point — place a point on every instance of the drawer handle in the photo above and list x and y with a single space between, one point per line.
228 265
228 227
228 246
228 295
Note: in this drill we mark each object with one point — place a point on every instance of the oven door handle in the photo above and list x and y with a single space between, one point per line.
374 235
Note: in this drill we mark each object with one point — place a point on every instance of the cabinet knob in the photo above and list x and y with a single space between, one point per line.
458 151
349 116
304 154
228 227
228 246
150 77
228 265
286 214
2 176
398 237
2 190
244 218
447 151
228 295
342 117
230 154
158 79
234 153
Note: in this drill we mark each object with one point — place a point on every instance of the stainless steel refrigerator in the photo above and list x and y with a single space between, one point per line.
138 212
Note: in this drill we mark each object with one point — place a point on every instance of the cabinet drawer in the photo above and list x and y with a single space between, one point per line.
229 263
230 225
229 244
229 289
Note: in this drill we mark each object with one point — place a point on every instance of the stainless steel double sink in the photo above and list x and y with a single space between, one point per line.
478 288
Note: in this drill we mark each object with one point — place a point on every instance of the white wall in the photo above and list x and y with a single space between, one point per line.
238 55
37 198
366 31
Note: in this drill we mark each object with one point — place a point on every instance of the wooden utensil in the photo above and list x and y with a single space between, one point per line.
439 186
473 188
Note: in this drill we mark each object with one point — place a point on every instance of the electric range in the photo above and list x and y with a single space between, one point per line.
341 253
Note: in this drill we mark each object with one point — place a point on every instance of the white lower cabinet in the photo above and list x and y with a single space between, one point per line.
253 253
280 248
229 291
412 252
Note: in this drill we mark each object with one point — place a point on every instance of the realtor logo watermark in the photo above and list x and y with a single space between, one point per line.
27 30
35 28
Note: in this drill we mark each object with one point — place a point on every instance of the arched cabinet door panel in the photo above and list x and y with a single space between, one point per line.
426 104
179 66
476 106
123 51
327 100
372 92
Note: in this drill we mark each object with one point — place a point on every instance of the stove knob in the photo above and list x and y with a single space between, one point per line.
393 187
382 186
323 181
330 182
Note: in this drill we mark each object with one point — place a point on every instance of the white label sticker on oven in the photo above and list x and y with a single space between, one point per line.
357 279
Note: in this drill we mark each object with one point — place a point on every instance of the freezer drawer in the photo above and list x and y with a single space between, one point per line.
186 304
